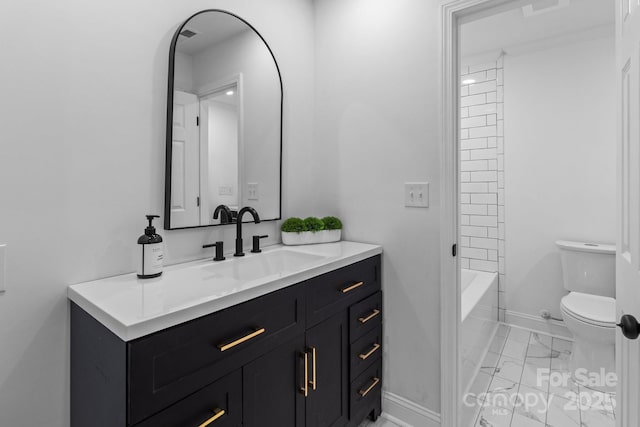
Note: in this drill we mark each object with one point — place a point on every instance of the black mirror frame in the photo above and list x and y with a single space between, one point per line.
169 130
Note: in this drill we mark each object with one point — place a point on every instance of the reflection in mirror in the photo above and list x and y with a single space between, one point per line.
224 122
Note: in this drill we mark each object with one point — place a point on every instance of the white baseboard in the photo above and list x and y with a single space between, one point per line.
538 324
406 413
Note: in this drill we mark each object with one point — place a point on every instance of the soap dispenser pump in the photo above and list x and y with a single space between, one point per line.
151 253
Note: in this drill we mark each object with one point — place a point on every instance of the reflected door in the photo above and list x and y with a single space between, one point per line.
185 161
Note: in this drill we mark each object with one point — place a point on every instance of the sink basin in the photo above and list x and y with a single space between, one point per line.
268 263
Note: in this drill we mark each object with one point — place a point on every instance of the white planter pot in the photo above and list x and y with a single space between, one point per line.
310 238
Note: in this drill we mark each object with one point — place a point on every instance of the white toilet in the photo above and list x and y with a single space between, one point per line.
589 310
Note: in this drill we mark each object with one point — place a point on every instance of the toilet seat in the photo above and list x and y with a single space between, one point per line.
592 309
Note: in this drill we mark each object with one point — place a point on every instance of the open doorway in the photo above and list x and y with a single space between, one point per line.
537 164
534 87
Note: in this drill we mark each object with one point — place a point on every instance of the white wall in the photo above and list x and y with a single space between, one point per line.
376 128
559 164
82 114
183 72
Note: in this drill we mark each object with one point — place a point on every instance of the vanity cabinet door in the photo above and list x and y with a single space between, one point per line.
271 387
327 350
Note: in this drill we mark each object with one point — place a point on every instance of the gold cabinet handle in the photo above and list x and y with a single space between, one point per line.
313 371
370 352
225 347
351 287
373 314
305 390
218 413
375 382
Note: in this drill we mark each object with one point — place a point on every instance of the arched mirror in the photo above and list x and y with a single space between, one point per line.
224 122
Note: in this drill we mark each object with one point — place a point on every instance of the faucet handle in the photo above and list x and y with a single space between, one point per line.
256 243
219 250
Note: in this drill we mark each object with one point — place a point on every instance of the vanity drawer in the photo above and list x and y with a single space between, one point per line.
365 315
365 392
333 292
365 351
220 404
170 365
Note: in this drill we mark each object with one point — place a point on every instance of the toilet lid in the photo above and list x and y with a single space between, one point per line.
592 308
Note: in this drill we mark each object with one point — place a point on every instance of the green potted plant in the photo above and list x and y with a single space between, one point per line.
311 230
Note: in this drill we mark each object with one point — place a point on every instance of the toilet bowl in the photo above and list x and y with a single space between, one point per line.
591 321
589 311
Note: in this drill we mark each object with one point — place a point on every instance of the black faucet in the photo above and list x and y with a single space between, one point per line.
256 219
227 215
219 250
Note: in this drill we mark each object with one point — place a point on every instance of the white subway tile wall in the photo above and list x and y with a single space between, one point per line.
482 171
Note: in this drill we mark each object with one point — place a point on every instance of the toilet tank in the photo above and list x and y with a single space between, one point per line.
588 267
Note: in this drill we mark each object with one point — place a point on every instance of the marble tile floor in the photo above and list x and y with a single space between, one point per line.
513 389
381 422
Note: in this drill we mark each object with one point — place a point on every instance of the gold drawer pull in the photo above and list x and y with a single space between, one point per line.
225 347
313 381
305 390
218 413
373 314
352 287
363 393
370 352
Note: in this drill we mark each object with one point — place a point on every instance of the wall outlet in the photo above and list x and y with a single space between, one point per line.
253 192
3 268
416 194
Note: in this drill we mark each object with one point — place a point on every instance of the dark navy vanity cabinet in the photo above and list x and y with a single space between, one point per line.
307 355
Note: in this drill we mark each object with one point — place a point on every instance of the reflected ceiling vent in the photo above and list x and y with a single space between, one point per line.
187 33
544 6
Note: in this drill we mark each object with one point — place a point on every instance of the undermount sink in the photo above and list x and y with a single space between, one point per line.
267 263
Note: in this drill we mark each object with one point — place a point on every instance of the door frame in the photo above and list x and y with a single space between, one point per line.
452 14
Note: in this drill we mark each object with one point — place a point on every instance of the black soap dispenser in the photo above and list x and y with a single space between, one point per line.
151 252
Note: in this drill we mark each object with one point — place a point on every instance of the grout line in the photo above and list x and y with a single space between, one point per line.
475 420
560 337
613 407
513 411
546 415
578 403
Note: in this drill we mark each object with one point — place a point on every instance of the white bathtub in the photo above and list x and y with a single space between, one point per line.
479 315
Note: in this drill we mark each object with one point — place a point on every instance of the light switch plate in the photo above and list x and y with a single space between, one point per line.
3 268
225 190
253 191
416 194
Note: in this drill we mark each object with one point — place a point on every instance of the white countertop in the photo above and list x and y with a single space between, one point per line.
132 308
